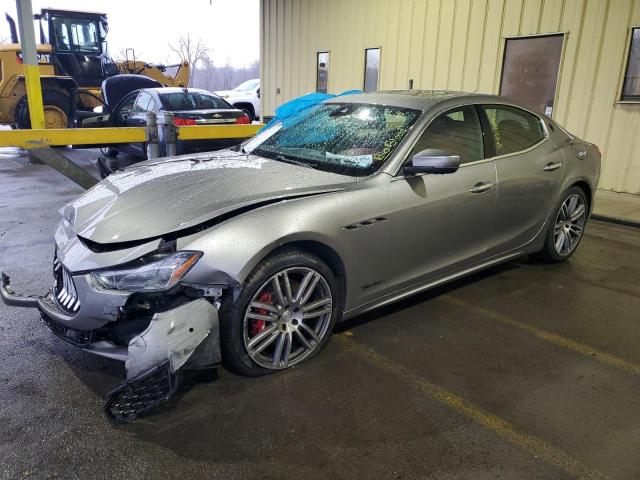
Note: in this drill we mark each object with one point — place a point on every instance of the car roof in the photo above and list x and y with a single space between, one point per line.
419 99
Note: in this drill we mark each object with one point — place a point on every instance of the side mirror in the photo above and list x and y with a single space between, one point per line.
433 161
258 93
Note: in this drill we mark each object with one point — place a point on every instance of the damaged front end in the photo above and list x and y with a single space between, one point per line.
186 336
139 312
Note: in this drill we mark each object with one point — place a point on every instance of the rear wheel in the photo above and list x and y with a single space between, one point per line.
56 110
283 315
247 110
568 223
248 113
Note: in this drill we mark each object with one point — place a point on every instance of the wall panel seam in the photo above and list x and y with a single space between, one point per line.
574 61
597 66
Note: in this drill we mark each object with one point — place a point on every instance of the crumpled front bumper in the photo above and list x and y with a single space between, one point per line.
186 336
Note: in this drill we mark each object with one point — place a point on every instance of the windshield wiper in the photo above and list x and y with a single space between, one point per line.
282 158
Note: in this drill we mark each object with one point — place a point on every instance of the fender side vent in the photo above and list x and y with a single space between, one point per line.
364 223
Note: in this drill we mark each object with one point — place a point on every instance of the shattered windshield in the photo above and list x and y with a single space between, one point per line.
344 138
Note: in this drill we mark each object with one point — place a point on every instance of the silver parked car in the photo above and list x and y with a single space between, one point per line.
250 256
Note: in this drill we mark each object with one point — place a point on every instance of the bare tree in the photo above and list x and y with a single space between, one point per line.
190 50
206 73
227 74
253 71
215 78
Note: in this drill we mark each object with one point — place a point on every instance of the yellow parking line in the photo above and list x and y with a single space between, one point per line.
533 445
553 338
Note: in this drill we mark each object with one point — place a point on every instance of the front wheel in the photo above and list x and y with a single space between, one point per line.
56 110
282 316
568 223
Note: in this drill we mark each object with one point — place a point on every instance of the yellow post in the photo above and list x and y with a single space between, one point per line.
30 62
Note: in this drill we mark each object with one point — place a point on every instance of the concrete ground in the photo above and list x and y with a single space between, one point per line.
524 371
619 207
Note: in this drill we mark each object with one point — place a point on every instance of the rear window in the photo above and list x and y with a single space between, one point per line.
191 101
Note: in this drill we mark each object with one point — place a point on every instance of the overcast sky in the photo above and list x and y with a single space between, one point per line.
228 27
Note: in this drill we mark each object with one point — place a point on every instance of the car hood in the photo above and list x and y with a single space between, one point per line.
157 197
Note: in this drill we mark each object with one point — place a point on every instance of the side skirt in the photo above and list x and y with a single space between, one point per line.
395 297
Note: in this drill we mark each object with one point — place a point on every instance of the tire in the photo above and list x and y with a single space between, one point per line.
109 152
287 327
247 110
56 110
567 226
104 169
248 113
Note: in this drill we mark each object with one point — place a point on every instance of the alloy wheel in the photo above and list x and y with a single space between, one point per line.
569 224
287 318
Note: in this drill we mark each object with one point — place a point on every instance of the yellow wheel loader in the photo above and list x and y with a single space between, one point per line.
72 55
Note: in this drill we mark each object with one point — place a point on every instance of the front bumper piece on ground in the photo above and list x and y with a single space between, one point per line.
184 337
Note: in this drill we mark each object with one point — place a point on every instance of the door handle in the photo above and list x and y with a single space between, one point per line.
550 167
481 187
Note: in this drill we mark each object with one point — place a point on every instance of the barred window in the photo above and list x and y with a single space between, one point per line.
631 86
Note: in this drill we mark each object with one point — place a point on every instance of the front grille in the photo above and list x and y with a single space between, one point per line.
64 290
141 393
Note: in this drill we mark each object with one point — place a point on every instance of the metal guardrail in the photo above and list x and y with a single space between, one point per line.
39 141
39 138
105 136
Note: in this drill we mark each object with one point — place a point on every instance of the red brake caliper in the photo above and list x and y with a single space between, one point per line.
258 325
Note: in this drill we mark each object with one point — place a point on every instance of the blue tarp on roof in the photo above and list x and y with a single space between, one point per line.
293 110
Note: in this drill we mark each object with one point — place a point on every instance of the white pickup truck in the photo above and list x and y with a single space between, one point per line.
246 97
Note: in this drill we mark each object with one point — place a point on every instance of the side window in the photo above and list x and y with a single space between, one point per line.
121 114
151 107
127 105
457 132
141 102
513 129
61 36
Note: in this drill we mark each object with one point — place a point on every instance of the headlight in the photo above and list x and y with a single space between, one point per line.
151 277
68 212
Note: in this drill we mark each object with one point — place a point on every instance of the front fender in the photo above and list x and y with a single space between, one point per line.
234 248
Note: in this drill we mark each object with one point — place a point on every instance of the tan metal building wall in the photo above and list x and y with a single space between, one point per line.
459 45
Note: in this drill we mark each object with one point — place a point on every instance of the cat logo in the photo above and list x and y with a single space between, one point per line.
43 58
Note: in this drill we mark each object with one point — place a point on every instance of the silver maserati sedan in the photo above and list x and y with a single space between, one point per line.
250 256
